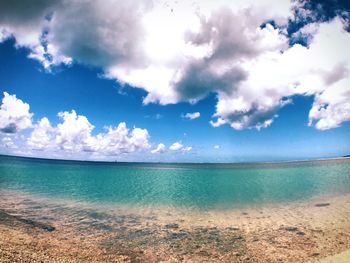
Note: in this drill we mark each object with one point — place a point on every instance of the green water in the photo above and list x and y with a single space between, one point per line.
185 185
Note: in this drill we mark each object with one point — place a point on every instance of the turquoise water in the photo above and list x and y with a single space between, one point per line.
188 185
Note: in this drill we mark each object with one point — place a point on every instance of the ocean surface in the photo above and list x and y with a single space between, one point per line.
176 212
200 186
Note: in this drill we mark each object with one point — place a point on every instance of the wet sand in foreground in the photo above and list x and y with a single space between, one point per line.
33 229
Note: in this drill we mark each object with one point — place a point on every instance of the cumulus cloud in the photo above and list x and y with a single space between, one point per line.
8 143
73 137
160 148
43 135
299 70
101 33
216 147
217 123
240 51
310 11
14 114
29 24
332 107
176 146
132 42
119 140
94 35
192 116
74 134
187 149
194 64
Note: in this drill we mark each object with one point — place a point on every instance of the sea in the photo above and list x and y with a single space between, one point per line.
198 186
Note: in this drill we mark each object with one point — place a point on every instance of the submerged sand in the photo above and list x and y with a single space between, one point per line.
35 229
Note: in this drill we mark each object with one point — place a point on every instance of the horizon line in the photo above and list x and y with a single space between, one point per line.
150 162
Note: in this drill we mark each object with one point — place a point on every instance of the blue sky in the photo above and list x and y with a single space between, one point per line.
106 96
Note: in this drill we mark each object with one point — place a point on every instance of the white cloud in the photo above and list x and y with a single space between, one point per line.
139 139
74 132
192 116
43 135
14 114
332 107
275 76
74 135
216 147
160 148
187 149
176 146
185 50
217 123
120 140
94 31
132 42
8 143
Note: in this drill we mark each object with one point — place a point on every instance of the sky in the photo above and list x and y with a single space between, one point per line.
175 81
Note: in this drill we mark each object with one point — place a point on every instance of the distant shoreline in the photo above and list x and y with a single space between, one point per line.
170 163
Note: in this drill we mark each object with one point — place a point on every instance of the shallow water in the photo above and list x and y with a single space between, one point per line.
288 212
201 186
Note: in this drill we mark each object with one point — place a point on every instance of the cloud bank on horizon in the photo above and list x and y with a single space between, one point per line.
254 55
73 135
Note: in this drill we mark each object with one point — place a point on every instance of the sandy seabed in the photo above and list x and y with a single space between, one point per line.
35 229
